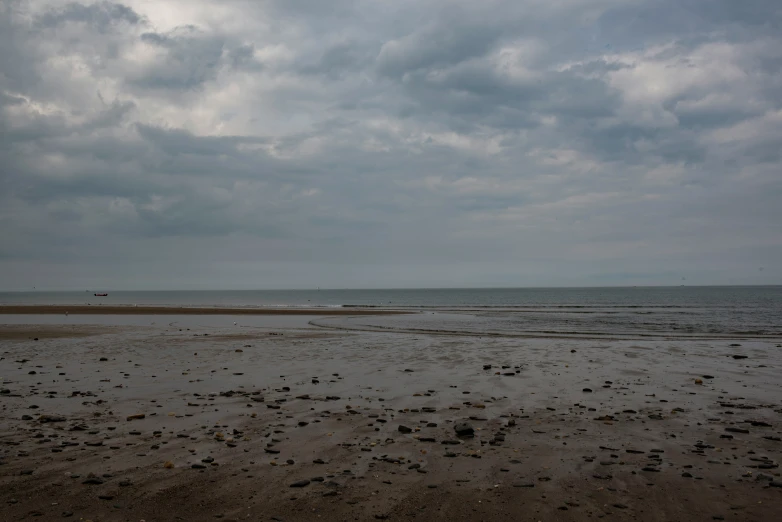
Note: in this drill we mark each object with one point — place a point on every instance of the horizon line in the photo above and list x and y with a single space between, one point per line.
388 288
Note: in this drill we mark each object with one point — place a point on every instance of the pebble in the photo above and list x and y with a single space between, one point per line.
300 484
51 418
464 429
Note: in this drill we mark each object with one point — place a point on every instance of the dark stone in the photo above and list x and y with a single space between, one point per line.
300 484
464 429
587 390
51 418
739 356
404 429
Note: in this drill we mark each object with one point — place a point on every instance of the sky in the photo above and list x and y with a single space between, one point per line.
226 144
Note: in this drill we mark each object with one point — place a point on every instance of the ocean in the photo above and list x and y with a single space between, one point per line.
754 311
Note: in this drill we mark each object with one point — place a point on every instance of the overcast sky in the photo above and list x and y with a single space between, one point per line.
390 143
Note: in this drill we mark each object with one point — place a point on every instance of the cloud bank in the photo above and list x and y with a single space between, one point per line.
302 143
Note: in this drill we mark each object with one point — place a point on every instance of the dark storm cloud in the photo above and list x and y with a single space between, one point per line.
611 141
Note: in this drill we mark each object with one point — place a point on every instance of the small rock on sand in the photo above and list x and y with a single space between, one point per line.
51 418
464 429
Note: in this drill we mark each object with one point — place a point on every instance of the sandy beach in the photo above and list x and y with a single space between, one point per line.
182 310
182 420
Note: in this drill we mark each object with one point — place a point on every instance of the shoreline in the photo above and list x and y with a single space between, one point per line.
180 310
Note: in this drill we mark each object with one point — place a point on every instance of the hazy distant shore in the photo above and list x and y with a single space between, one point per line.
180 310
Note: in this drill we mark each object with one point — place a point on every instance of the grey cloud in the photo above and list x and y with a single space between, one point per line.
391 138
190 59
177 141
243 57
436 46
8 99
100 16
339 60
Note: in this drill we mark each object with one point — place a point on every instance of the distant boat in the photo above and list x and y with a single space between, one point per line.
101 295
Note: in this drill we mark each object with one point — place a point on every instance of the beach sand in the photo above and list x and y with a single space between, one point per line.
182 310
184 421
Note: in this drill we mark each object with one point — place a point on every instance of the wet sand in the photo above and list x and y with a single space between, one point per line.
182 310
221 422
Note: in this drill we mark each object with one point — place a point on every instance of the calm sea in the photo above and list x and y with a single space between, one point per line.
747 310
